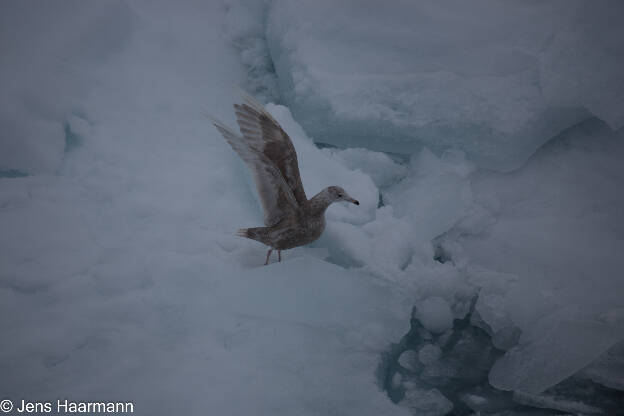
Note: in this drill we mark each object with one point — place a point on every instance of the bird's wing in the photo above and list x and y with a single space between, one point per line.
265 135
275 195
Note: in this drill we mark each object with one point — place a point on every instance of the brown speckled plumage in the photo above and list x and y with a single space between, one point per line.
291 220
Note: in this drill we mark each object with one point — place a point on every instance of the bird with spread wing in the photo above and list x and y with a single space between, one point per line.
290 218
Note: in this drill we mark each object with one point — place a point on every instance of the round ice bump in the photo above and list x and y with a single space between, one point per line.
435 314
429 354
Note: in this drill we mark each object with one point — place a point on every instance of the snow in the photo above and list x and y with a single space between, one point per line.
427 403
46 73
401 75
121 277
435 314
552 257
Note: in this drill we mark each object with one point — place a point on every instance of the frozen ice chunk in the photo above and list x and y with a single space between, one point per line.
429 353
397 380
506 337
549 402
423 402
553 254
435 314
491 304
579 64
409 360
435 195
608 370
554 356
380 167
495 80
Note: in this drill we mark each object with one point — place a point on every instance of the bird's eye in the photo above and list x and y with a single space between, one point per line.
339 195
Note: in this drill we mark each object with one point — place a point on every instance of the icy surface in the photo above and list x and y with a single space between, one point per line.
48 63
429 354
427 403
608 369
435 314
120 277
451 369
550 264
496 80
553 357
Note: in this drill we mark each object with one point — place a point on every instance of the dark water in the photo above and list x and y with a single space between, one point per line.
466 354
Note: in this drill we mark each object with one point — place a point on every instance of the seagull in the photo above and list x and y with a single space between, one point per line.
290 218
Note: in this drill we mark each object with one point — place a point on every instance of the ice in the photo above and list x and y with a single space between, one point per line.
431 195
120 275
549 264
380 167
244 29
552 357
539 249
399 76
429 354
456 364
558 404
408 359
317 303
442 366
608 368
409 76
427 402
48 61
435 314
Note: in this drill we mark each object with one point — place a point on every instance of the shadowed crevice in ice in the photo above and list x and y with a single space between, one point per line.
447 373
454 363
246 27
441 255
72 139
12 173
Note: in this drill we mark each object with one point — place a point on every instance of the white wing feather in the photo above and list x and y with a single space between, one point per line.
275 195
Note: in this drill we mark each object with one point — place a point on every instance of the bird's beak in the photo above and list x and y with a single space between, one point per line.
353 201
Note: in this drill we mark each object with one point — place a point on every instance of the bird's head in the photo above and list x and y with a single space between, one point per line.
336 193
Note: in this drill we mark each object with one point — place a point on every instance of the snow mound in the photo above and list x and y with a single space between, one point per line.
435 314
120 275
49 55
427 402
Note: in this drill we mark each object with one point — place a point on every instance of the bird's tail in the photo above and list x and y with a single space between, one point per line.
255 233
243 232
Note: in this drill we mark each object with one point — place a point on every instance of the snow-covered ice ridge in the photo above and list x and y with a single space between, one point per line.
491 231
494 79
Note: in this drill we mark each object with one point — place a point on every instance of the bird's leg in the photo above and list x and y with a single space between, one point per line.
279 255
268 256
